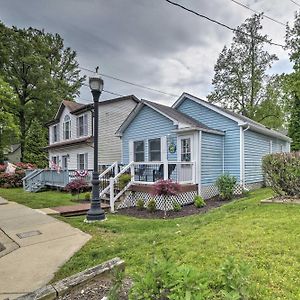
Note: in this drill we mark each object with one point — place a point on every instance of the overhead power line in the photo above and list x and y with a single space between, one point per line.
295 3
257 12
105 91
129 82
222 24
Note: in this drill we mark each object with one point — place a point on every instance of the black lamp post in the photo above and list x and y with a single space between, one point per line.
95 213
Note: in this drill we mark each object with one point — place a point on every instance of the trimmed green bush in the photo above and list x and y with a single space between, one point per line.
226 184
87 196
140 204
176 206
199 201
151 205
282 173
124 179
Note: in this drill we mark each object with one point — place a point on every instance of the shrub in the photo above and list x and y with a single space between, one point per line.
163 279
176 206
124 179
226 184
151 206
87 196
140 204
165 188
282 173
199 201
76 186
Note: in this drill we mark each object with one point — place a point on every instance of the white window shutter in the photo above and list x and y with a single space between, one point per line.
86 161
77 127
78 162
131 150
57 132
163 148
85 122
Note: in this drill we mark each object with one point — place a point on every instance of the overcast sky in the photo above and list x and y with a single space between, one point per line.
149 42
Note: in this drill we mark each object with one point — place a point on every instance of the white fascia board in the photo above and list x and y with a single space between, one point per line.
208 105
199 129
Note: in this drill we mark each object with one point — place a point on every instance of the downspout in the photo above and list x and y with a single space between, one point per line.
243 157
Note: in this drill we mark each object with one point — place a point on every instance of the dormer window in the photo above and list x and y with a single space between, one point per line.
82 125
67 128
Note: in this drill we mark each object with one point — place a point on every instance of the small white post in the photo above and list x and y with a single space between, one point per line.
111 194
132 172
166 171
116 169
193 172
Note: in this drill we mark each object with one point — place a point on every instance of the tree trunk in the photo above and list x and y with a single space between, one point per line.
22 131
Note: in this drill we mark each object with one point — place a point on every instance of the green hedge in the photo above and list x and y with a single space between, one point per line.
282 173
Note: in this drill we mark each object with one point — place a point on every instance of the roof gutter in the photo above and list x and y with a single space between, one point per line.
266 131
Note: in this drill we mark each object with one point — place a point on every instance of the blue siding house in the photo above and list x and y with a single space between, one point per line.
194 142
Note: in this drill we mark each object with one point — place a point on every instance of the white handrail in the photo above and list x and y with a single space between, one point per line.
108 169
123 170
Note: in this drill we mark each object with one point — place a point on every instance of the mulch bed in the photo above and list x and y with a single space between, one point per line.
97 290
186 210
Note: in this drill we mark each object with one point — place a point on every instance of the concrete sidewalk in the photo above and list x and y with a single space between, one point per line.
39 245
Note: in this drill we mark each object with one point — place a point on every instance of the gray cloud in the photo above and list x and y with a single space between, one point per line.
148 42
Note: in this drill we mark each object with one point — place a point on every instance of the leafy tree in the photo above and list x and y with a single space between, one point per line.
41 72
8 128
36 139
293 81
241 82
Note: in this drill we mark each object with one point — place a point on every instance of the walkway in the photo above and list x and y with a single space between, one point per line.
36 246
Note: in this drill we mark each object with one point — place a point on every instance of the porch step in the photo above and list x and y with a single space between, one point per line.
76 210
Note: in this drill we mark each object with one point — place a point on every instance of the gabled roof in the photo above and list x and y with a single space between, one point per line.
240 119
77 108
178 118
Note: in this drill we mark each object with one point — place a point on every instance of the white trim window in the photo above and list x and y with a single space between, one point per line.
82 161
154 146
55 133
186 149
64 162
54 162
82 125
139 151
67 128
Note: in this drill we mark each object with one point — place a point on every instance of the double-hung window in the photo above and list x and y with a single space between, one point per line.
186 149
139 151
154 150
55 133
67 128
82 125
82 161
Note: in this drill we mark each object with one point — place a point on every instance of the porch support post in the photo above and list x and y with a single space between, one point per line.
198 163
166 175
132 172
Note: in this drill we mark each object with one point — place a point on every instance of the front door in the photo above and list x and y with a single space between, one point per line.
185 146
65 162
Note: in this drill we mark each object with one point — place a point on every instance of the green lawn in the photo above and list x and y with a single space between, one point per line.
37 200
267 237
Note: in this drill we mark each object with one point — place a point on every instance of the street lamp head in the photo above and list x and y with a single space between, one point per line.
96 84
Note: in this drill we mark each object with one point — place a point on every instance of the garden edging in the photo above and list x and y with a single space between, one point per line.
60 288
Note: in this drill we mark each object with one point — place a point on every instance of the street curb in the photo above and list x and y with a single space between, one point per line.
60 288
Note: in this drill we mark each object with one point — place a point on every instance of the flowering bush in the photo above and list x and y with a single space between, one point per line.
282 173
14 180
76 186
165 188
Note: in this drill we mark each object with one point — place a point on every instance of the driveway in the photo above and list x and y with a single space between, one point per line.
34 246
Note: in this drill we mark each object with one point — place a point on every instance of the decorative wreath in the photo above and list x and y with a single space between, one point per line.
81 173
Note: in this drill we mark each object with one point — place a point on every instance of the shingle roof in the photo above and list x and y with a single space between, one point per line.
177 115
72 105
86 139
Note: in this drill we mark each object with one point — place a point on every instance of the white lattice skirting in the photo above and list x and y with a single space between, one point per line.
182 199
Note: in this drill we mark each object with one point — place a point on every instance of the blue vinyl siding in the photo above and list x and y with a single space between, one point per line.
147 124
211 158
216 121
256 146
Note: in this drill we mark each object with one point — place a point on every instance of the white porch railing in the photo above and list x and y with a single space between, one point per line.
148 173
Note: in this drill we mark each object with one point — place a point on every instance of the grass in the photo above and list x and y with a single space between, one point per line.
264 236
37 200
